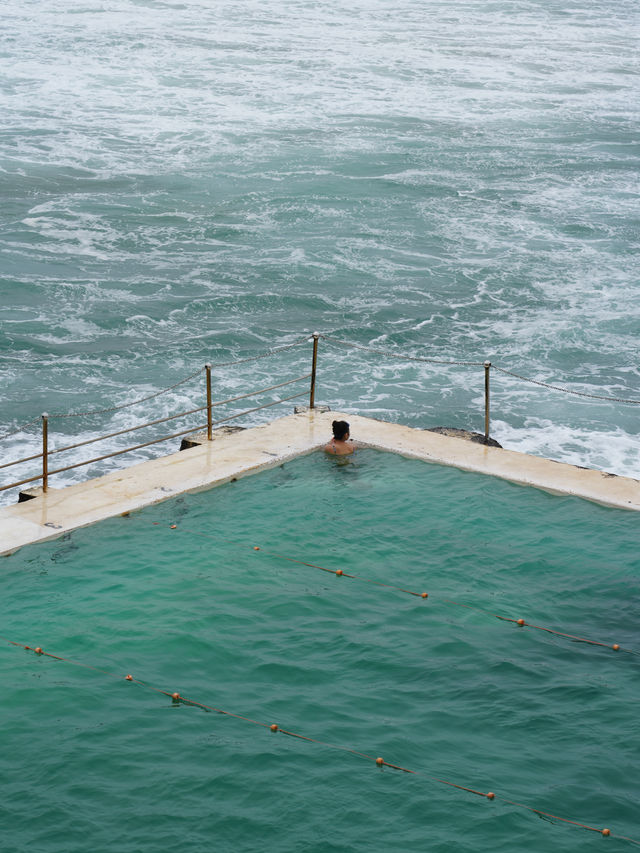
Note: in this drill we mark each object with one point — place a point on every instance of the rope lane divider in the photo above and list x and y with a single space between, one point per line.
178 699
521 623
338 572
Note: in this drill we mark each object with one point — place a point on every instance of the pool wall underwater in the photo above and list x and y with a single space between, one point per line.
256 449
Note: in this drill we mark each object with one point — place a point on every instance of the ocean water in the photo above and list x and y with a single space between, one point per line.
176 596
183 183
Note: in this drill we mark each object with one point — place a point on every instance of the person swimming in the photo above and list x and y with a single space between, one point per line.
340 444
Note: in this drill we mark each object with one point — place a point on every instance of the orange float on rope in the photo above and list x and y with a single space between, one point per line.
521 622
380 762
256 548
424 595
615 647
339 573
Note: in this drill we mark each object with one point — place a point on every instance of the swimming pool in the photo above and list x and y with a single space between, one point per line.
429 685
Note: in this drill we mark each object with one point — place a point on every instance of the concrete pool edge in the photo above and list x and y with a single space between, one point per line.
255 449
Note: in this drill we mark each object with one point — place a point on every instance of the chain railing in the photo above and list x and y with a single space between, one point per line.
45 418
47 452
487 365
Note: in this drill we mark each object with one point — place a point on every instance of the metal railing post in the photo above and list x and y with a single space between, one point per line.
207 368
45 451
314 364
487 368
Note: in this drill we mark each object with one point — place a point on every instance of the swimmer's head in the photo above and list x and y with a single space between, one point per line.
340 430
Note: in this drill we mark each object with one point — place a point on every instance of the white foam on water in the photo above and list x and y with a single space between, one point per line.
193 182
607 450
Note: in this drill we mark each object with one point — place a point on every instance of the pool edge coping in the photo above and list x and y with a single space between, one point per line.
258 448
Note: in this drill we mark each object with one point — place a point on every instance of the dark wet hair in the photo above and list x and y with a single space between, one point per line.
340 429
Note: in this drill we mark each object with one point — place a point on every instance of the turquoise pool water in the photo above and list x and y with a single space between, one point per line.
92 762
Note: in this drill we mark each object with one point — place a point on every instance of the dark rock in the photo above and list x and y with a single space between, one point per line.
198 438
466 434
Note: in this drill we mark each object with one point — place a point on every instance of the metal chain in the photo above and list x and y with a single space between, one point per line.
401 357
481 364
259 391
333 340
127 405
164 390
20 429
565 390
264 354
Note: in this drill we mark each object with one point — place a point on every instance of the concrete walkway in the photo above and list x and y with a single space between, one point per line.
252 450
